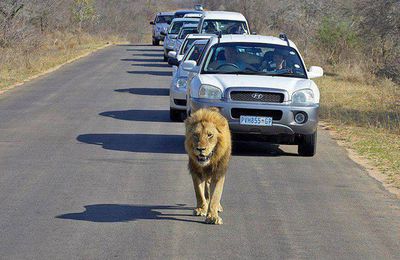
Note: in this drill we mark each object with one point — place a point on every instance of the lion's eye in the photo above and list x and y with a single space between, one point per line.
210 135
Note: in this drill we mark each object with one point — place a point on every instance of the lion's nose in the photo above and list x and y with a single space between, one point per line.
200 149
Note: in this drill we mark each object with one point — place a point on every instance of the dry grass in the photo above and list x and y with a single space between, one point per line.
366 113
22 62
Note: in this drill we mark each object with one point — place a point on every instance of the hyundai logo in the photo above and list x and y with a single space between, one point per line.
257 96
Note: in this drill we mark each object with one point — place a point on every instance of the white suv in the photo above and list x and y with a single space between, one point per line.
261 85
216 22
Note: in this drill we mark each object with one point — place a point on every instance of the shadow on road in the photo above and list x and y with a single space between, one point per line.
142 60
148 54
154 73
145 91
158 65
108 213
140 143
146 50
240 148
139 115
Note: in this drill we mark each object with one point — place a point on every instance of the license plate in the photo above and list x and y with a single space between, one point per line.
256 120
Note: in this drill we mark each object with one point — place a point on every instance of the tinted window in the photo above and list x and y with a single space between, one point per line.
176 26
186 31
164 19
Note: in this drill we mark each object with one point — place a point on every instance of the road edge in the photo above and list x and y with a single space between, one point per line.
54 68
372 171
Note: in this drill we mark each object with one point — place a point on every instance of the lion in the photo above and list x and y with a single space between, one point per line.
208 144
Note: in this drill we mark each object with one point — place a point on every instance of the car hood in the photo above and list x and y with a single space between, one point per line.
290 85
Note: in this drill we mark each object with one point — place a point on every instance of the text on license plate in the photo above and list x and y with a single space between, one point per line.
256 120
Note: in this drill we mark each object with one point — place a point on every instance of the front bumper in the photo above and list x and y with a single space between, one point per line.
177 98
284 125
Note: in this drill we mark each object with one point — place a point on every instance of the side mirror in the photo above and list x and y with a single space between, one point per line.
172 54
315 72
179 57
189 65
163 33
173 61
152 23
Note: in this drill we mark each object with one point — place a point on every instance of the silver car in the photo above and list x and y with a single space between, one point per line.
177 91
160 24
261 85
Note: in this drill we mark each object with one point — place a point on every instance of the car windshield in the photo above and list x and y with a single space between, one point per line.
187 44
254 59
176 26
186 31
224 26
164 19
194 53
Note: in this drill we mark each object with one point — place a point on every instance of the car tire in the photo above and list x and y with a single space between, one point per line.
308 145
175 115
165 58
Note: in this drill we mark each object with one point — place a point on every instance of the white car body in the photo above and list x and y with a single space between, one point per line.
284 129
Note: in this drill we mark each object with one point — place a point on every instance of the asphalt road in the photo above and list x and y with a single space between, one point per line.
92 168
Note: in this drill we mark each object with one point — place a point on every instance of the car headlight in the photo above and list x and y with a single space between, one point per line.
210 92
303 97
181 83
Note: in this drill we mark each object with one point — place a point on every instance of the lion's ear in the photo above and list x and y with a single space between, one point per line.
222 125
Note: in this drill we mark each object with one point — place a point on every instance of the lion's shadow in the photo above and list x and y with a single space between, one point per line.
109 213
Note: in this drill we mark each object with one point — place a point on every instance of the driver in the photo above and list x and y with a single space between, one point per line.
232 57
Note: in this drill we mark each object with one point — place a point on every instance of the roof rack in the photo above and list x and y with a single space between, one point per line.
284 37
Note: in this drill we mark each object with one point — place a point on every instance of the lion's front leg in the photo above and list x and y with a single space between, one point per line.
199 189
216 188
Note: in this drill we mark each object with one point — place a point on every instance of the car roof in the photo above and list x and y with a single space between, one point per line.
223 15
189 25
166 13
188 11
253 39
200 36
185 20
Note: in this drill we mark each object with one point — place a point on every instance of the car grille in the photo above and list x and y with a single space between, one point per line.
180 102
237 112
251 96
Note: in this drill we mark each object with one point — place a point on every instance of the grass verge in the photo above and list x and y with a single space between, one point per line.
365 116
21 63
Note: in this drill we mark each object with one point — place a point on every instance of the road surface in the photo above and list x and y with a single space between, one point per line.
92 168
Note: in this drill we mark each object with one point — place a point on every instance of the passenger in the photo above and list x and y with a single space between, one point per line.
210 28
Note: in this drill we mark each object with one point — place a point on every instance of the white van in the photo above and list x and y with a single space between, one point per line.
215 22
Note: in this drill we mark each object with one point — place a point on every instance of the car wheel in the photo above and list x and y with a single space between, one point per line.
175 115
156 42
165 58
308 145
153 42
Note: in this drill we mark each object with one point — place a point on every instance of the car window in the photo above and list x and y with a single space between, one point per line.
194 52
187 44
164 19
224 26
254 58
176 26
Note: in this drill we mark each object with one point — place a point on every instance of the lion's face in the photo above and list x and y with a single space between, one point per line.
204 141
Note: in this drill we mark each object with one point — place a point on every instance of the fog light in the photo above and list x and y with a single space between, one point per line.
300 118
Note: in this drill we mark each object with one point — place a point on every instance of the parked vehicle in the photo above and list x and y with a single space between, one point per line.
177 92
173 31
182 13
216 22
261 85
185 30
160 24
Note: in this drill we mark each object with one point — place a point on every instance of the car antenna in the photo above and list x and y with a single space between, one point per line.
219 36
284 37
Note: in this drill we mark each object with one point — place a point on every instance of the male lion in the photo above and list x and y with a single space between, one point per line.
208 144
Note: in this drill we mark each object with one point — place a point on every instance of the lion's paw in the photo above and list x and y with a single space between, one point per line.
200 212
214 219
